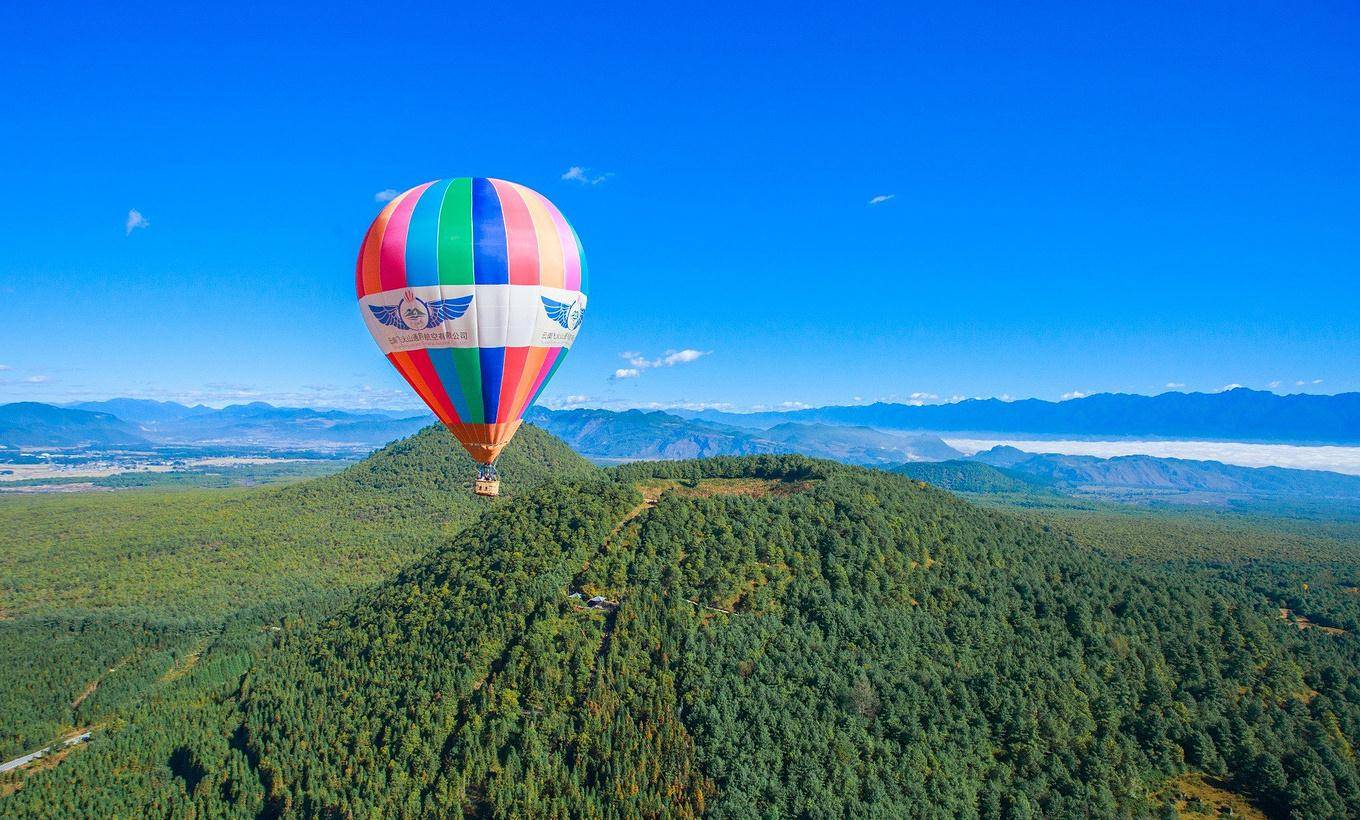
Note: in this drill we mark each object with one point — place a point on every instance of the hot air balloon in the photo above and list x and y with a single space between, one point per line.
474 289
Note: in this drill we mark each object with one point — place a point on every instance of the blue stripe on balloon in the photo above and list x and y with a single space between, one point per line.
447 370
422 237
491 263
493 366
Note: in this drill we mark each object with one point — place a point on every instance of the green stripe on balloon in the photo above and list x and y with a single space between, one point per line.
455 235
468 364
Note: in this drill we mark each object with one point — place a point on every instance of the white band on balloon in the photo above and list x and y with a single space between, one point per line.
496 316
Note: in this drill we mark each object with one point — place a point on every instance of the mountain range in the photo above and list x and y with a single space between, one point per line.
139 423
1009 470
631 435
607 436
1232 415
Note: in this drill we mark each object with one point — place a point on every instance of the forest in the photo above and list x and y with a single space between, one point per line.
779 636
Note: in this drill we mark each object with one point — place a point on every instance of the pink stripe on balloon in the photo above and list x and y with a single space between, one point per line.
393 271
571 255
520 240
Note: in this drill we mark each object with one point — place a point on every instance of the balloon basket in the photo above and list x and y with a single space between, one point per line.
487 482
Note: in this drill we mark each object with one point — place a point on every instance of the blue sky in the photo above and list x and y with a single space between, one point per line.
809 207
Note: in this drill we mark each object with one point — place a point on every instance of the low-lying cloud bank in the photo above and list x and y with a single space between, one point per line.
1334 458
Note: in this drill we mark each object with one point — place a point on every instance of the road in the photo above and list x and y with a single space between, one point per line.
32 756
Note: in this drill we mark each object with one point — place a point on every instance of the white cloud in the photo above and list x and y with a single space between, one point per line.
670 358
858 398
1274 384
1175 385
386 195
793 405
690 405
1317 381
585 176
565 402
135 220
683 356
1073 394
36 379
881 198
1225 388
4 367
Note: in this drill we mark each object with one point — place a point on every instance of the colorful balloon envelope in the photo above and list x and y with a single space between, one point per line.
474 289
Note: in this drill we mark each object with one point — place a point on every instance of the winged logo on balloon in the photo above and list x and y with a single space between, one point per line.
566 314
414 313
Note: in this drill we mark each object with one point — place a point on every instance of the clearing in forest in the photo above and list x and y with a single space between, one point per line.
1302 622
652 489
1195 794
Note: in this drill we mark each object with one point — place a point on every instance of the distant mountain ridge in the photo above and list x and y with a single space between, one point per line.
636 434
142 423
33 424
1237 415
1169 474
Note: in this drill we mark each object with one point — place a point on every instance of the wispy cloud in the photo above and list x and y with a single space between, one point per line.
1225 388
585 176
670 358
38 379
1303 382
1274 384
135 220
4 367
683 356
1073 394
565 402
386 195
1175 385
881 198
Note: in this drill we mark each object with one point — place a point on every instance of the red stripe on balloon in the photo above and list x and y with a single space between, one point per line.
407 368
520 239
511 374
421 359
393 272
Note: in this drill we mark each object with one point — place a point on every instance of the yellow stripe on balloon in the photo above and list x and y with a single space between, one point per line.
533 365
551 269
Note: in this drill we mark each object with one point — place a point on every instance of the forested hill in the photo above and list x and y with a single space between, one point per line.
102 593
791 638
431 467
